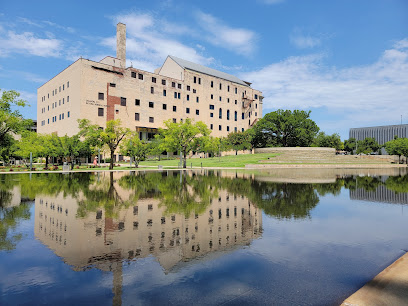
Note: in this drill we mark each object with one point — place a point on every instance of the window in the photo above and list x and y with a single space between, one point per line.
194 91
199 81
211 115
174 108
179 86
197 100
137 116
187 110
243 115
59 116
151 119
220 113
228 114
212 97
211 126
53 93
63 100
256 114
68 114
59 102
122 101
151 104
188 87
164 93
112 84
236 102
140 76
174 120
195 79
220 86
256 105
236 90
197 112
175 95
235 116
133 74
211 106
173 84
137 102
178 95
188 97
235 129
220 98
62 116
228 88
153 80
63 86
212 84
164 106
67 99
60 89
219 127
243 129
163 82
101 96
256 96
48 121
100 112
67 85
152 90
227 128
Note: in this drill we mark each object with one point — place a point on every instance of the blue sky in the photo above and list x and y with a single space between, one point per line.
345 60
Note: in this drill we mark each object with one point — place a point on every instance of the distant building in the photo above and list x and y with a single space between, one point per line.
381 134
179 89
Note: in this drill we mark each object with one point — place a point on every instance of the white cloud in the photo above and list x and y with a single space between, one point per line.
28 42
363 95
303 42
239 40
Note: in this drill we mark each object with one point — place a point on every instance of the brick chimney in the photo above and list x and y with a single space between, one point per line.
121 43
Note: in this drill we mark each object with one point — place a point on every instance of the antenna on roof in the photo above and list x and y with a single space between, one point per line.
131 64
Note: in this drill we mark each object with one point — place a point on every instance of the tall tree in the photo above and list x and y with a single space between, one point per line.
350 145
111 136
367 146
328 141
11 120
284 128
135 148
183 136
398 146
239 141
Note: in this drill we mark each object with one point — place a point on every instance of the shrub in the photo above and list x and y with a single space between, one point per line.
77 167
55 168
11 170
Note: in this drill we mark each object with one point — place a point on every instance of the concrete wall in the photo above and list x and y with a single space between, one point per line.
381 133
316 152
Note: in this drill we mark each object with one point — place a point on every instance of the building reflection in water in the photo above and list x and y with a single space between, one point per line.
103 238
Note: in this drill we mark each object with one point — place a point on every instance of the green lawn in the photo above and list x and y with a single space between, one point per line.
224 161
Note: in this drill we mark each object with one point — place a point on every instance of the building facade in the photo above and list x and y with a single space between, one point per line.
381 134
179 89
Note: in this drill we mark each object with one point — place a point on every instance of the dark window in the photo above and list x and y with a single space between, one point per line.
212 97
212 84
175 95
187 110
112 84
256 114
188 97
228 88
178 95
174 120
140 76
236 90
199 80
163 82
195 79
236 102
256 105
235 116
173 84
220 98
174 108
67 99
228 114
164 93
211 106
211 115
256 96
100 112
67 86
235 129
197 112
63 86
227 128
188 87
151 104
151 119
153 79
123 101
152 90
220 113
133 74
179 86
219 128
197 100
164 106
243 115
220 86
194 91
137 116
68 114
211 126
137 102
243 129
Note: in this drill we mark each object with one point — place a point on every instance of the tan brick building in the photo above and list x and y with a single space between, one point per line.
179 89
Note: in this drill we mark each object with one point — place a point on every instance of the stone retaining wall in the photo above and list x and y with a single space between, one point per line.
305 151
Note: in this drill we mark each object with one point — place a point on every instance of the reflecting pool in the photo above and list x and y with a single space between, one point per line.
299 236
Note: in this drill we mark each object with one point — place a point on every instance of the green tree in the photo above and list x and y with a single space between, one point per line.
239 141
11 121
328 141
30 142
135 148
284 128
183 136
367 145
155 146
350 145
71 147
397 146
97 137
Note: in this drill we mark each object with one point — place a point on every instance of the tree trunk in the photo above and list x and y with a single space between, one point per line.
46 161
111 161
184 159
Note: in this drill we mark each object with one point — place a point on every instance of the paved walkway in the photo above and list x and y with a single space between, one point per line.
390 287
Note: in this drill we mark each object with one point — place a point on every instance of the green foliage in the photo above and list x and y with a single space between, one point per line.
183 136
328 141
398 146
97 137
239 141
350 145
284 128
135 148
367 145
11 121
